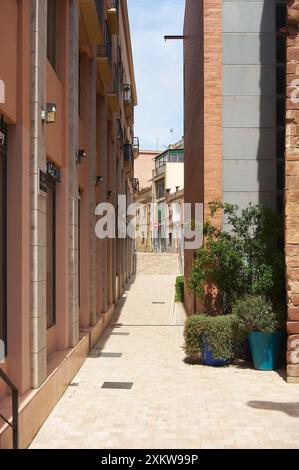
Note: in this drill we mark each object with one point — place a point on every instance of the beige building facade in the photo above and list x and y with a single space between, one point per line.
67 122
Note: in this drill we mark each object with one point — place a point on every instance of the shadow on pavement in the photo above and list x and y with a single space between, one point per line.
291 409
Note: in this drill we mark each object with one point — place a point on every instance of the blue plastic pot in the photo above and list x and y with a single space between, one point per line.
264 349
209 360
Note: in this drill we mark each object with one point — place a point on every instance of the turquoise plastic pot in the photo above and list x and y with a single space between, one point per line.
264 349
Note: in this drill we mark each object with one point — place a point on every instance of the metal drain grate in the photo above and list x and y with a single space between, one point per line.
118 385
107 354
120 334
159 303
74 384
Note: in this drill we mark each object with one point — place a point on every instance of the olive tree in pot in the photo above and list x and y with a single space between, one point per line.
264 325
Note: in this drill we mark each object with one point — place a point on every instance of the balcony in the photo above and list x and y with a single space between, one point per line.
135 184
120 134
113 94
127 96
136 147
159 171
128 160
113 16
128 104
92 13
128 153
104 57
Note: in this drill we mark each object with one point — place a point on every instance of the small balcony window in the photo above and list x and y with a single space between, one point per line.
51 252
3 219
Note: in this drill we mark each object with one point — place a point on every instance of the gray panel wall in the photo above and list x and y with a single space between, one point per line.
249 102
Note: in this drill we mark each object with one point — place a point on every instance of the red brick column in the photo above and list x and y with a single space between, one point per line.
292 192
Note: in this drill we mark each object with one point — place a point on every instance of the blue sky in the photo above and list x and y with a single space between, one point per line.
158 70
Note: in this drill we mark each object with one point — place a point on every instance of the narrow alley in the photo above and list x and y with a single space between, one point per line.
170 404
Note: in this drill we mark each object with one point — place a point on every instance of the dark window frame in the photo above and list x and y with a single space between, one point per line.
52 32
79 247
3 156
51 184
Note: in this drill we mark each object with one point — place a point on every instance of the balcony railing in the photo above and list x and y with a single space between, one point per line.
120 67
115 80
120 134
114 4
105 50
113 16
127 93
159 171
100 10
135 184
128 153
92 14
136 146
113 94
14 424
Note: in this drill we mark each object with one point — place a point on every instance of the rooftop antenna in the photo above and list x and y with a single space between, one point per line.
171 135
157 143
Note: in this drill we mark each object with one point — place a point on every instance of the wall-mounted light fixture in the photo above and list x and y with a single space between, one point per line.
99 180
109 194
81 155
48 115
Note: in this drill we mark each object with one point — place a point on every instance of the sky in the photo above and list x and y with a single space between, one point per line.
158 70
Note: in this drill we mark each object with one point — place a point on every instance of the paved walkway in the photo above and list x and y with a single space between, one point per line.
171 404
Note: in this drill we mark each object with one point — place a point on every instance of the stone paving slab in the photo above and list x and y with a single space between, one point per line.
171 404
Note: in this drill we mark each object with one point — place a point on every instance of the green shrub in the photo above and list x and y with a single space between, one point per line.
221 333
179 289
256 313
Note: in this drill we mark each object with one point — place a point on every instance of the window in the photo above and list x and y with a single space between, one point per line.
79 83
160 189
79 247
170 238
52 32
51 252
3 154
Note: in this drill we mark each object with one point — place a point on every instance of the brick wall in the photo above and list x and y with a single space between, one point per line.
292 194
194 118
203 113
212 104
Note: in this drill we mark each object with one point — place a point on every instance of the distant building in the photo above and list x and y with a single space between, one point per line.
143 167
159 216
168 180
144 221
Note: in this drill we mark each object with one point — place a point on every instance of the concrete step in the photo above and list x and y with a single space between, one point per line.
157 263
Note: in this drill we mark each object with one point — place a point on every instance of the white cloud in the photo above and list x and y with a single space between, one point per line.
158 69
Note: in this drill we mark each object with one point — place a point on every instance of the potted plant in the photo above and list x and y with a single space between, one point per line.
263 323
214 336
